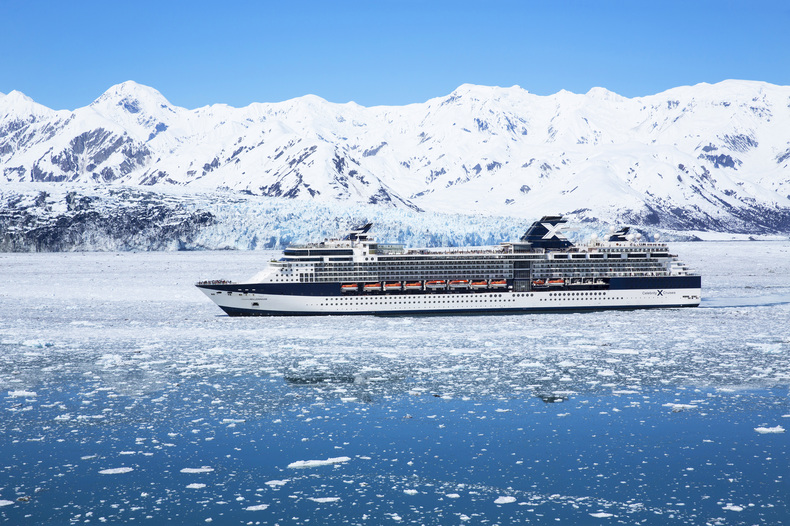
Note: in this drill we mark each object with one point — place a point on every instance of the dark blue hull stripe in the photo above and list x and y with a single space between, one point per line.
333 289
449 312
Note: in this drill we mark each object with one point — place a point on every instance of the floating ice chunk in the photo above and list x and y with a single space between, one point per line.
324 500
276 483
676 408
453 496
6 503
732 507
203 469
505 500
766 430
115 471
601 515
301 464
258 507
196 486
410 491
22 394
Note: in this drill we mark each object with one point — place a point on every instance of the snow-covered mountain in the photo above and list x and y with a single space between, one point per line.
705 157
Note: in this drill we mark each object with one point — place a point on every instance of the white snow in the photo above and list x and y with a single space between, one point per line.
483 150
302 464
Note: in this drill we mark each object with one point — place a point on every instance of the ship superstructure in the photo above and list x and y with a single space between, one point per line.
543 271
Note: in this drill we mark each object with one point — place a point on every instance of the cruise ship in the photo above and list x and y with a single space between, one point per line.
543 271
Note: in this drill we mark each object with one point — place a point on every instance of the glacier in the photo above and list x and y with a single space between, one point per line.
708 158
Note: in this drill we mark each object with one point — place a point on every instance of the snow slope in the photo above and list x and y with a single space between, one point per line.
705 157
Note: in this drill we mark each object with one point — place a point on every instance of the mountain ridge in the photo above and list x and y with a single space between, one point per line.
704 157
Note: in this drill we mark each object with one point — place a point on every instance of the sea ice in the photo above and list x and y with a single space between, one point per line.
115 471
301 464
324 500
259 507
601 515
22 394
766 430
505 500
204 469
6 503
196 486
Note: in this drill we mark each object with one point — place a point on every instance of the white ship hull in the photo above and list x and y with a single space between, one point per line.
251 304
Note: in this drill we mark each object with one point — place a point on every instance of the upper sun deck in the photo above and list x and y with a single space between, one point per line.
543 237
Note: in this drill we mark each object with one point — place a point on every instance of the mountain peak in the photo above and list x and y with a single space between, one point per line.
604 94
17 102
132 97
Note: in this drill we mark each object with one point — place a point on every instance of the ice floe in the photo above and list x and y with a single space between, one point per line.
115 471
769 430
302 464
324 500
203 469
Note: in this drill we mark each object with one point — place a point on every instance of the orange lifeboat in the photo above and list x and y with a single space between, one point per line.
556 282
459 284
392 286
372 287
476 285
435 284
539 282
349 287
414 285
498 283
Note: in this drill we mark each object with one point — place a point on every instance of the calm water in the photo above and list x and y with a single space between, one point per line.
128 397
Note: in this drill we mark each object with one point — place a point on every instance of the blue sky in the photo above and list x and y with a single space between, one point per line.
66 54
